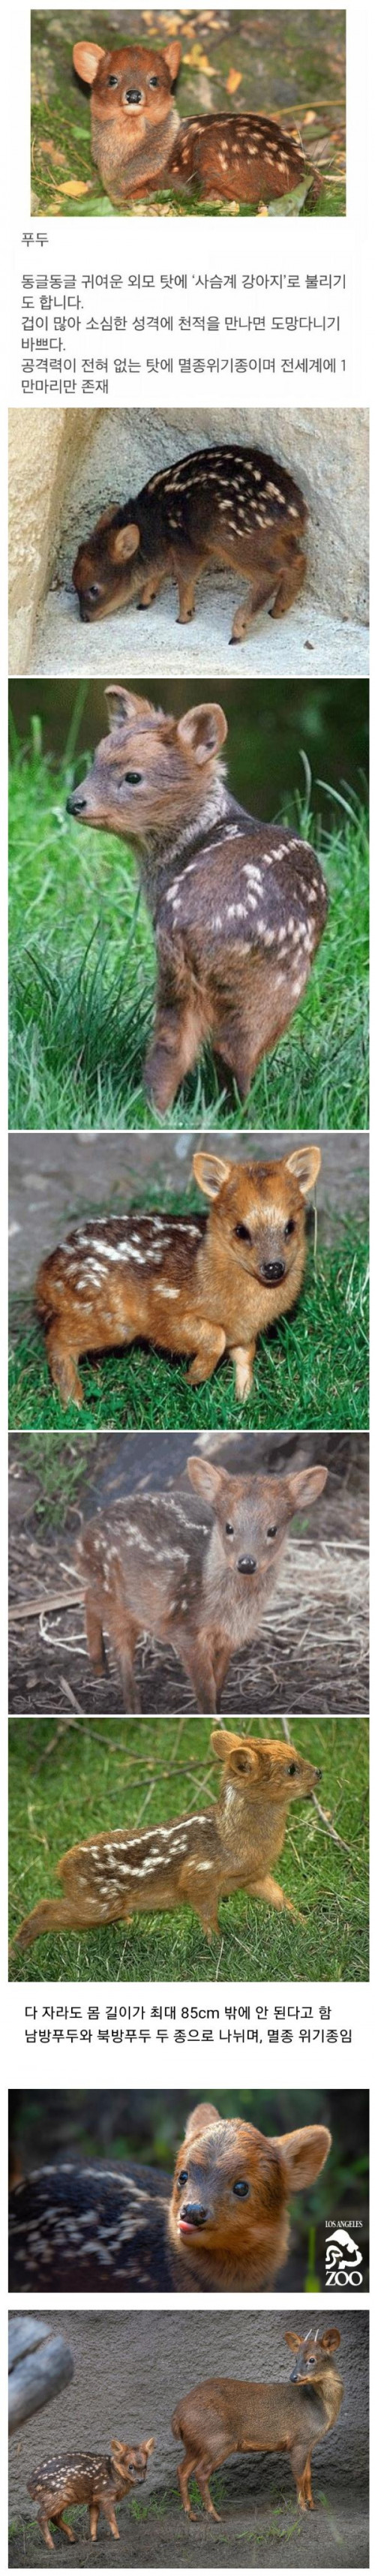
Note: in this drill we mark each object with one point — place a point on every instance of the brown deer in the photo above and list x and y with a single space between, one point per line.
138 143
231 506
195 1860
226 2415
197 1574
238 907
220 2222
203 1287
87 2477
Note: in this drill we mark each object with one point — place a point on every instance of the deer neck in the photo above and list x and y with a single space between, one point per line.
169 851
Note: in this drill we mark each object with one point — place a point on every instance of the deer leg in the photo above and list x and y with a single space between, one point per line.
63 2526
94 2519
45 2530
302 2473
221 1659
199 1667
243 1364
151 588
203 2472
174 1048
184 2472
64 1373
258 596
192 1886
109 2513
274 1895
211 1345
94 1634
187 574
124 1633
291 582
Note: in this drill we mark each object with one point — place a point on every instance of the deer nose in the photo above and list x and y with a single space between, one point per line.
193 2214
272 1270
133 97
76 804
318 1775
247 1565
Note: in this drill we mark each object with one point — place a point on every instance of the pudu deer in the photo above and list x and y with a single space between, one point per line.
229 506
199 1286
197 1574
226 2415
238 906
138 142
195 1860
220 2222
87 2477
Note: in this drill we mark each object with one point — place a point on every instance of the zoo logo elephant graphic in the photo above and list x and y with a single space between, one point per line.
343 2262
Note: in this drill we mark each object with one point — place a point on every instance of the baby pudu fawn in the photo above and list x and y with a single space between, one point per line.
195 1573
193 1861
230 506
138 142
201 1286
238 907
223 2226
226 2415
87 2477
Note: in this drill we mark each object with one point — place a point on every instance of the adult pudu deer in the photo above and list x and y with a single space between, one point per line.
87 2477
196 1574
226 2415
229 506
138 143
238 906
190 1287
193 1861
220 2223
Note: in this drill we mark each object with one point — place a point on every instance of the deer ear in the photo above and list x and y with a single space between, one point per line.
203 730
201 2118
172 56
304 2152
150 2445
305 1165
306 1486
206 1479
224 1744
330 2339
211 1173
123 708
295 2341
124 542
86 60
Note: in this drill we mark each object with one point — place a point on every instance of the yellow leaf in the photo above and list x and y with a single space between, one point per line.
310 118
74 187
233 82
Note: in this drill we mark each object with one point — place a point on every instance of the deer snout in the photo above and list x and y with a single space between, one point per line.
246 1565
271 1271
133 97
77 803
193 2214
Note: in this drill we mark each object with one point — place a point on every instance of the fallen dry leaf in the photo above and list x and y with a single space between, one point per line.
233 82
74 187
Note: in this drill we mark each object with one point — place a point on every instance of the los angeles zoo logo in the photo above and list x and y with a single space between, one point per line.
343 2259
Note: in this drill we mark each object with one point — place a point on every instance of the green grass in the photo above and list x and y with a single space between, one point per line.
87 1784
312 1368
82 977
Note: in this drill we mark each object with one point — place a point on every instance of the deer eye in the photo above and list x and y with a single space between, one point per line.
133 777
112 82
153 81
94 591
292 1767
182 2177
242 2190
290 1227
242 1232
272 1533
229 1525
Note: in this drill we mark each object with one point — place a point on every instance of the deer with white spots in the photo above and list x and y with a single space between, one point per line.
194 1861
95 2478
198 1287
230 506
139 144
194 1570
238 906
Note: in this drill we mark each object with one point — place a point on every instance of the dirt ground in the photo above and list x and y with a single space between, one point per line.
311 1654
251 2534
